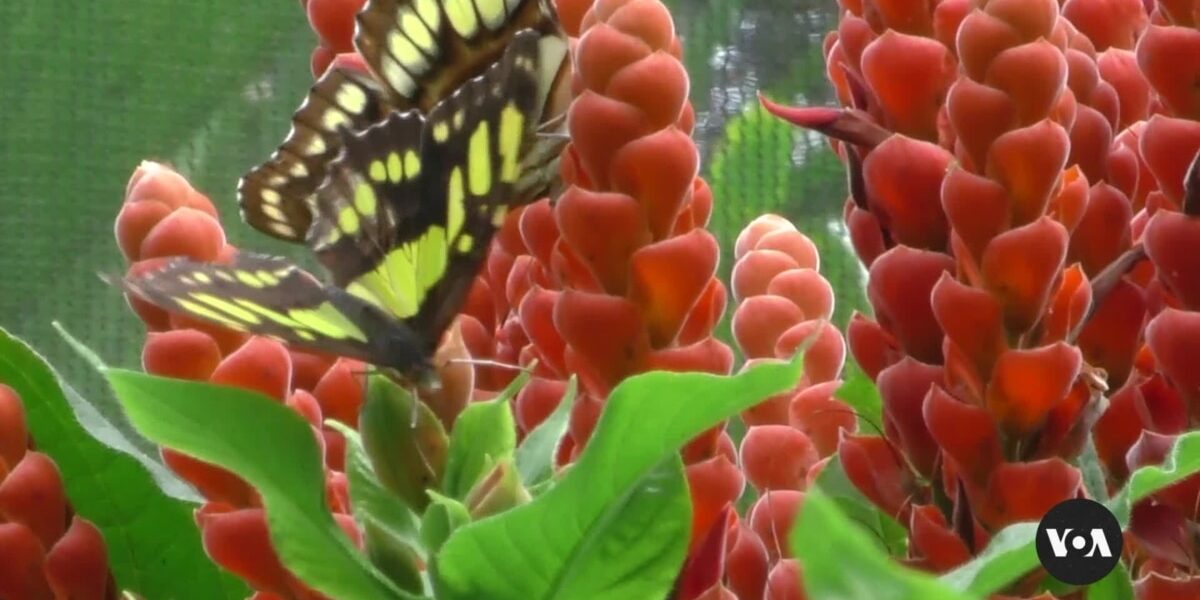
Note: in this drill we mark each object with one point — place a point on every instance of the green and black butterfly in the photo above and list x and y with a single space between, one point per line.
402 223
419 52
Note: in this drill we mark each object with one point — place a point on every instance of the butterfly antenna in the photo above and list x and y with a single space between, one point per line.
489 363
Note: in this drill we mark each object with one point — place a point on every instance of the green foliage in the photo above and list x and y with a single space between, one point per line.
860 393
842 561
535 455
616 524
484 433
272 448
1011 552
152 540
885 532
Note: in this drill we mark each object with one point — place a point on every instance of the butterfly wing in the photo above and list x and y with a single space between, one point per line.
271 296
276 197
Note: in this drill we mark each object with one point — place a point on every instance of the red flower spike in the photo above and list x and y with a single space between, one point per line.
306 405
1161 532
185 232
658 170
714 484
909 76
947 17
1170 59
1028 163
214 483
1117 429
604 229
705 315
866 236
873 348
14 435
747 563
536 312
21 570
874 467
537 400
595 68
181 354
1174 339
32 495
899 287
308 368
340 391
657 84
771 518
759 322
320 60
350 60
238 540
806 289
815 412
903 388
1032 76
1026 491
1019 268
599 128
823 359
980 38
709 355
333 20
777 457
979 114
1103 233
966 434
706 563
794 244
135 221
606 331
972 319
1160 407
785 581
1169 146
903 178
755 270
1170 240
538 228
1028 383
261 365
667 279
1154 586
934 542
77 566
1110 340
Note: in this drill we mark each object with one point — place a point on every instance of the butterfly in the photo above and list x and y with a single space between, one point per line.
418 51
402 223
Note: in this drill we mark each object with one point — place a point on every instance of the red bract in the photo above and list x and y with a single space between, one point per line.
164 216
45 552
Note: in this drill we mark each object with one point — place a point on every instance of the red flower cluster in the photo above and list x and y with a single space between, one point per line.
1006 186
46 551
163 216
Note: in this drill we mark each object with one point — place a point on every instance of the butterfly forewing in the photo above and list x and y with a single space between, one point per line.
276 196
422 50
270 296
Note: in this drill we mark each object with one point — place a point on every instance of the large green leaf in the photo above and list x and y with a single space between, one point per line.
840 561
1011 552
153 545
271 447
483 433
885 531
574 540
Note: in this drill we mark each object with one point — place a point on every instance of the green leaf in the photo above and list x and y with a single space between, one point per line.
861 394
535 455
887 532
1093 472
570 542
404 441
1115 586
371 501
483 433
1011 553
443 517
1181 462
842 562
272 448
153 545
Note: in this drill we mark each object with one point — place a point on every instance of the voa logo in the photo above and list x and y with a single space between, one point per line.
1079 541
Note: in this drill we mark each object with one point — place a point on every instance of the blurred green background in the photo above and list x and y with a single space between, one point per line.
92 88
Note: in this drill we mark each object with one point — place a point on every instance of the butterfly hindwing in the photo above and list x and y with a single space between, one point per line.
276 196
270 296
